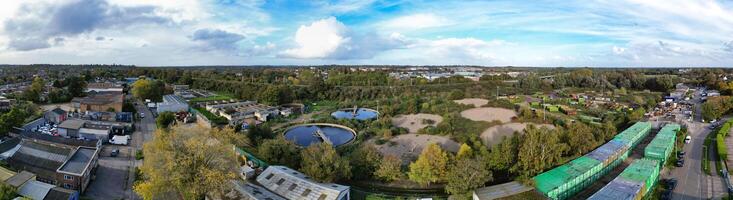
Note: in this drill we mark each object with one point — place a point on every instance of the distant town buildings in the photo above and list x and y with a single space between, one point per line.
104 87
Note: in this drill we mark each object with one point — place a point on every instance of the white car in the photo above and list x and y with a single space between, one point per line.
688 139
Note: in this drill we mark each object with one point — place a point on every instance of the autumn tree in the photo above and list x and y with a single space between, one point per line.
322 163
148 89
465 175
279 151
364 161
464 152
430 167
186 163
390 169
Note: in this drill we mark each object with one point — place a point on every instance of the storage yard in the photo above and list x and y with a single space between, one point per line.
565 181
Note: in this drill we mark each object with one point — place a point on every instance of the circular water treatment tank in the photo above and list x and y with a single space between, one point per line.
307 134
358 114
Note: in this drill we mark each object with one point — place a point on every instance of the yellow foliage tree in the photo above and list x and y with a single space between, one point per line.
430 167
464 152
186 163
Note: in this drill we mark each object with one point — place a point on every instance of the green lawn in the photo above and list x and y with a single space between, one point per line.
213 118
217 97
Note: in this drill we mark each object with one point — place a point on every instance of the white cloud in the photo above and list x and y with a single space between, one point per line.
319 39
330 39
416 21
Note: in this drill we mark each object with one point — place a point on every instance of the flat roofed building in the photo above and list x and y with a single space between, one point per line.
103 87
292 184
60 165
172 103
70 127
75 172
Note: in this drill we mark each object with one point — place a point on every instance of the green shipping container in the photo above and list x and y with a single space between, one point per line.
662 146
635 133
645 171
564 181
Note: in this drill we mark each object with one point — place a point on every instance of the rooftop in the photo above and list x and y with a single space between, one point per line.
72 124
79 161
173 99
20 178
292 184
101 98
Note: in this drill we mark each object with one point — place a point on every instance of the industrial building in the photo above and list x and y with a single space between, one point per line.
57 164
291 184
99 102
172 103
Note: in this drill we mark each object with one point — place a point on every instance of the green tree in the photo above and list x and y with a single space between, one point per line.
322 163
540 149
186 163
33 93
7 192
279 151
466 175
390 169
504 155
430 167
579 137
75 86
364 161
165 119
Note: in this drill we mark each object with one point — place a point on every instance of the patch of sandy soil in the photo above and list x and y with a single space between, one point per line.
409 146
476 102
493 135
414 122
489 114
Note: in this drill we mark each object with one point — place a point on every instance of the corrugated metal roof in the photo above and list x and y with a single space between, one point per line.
501 190
35 189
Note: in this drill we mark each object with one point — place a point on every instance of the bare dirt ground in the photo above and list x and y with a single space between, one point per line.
414 122
476 102
409 146
493 135
489 114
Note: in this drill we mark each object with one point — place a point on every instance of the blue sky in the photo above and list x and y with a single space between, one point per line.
570 33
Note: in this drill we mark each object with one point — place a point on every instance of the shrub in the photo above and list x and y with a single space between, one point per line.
722 150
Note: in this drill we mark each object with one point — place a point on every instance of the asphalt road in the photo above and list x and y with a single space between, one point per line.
143 132
693 183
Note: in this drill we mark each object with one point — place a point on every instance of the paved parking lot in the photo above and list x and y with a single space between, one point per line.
111 176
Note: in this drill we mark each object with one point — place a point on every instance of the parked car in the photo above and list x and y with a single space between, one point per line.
666 195
680 155
688 139
114 153
680 163
670 183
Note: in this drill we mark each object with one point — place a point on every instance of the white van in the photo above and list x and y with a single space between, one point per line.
688 139
120 139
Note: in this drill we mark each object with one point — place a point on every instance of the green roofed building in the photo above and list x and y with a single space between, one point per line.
644 171
663 144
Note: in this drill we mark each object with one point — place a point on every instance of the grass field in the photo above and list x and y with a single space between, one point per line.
217 97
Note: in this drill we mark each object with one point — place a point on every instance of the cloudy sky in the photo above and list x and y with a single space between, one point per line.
606 33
